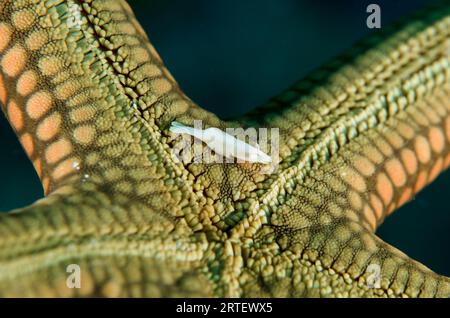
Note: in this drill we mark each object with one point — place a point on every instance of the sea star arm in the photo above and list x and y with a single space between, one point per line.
122 251
360 140
85 92
322 231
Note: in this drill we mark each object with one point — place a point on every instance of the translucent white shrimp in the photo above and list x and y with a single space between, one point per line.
223 144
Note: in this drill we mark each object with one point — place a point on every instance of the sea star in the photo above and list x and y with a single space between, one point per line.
92 104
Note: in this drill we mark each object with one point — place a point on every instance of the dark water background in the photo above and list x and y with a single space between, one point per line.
232 55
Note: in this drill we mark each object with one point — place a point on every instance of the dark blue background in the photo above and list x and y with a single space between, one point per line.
232 55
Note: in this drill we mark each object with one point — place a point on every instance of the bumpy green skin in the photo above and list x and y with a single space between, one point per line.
140 223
